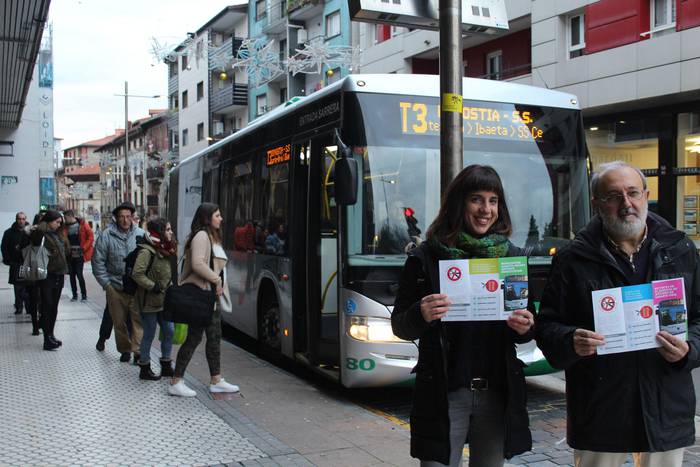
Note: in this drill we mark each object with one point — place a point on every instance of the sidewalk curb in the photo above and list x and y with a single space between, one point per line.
548 382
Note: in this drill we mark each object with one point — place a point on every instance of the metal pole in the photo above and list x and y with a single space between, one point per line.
451 142
126 142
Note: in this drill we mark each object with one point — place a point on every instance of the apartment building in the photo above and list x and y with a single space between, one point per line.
207 99
292 26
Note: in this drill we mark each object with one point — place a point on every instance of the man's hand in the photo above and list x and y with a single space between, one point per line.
521 321
434 307
585 342
672 348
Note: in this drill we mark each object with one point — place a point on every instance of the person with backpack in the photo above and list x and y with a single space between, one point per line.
152 274
113 246
204 262
50 288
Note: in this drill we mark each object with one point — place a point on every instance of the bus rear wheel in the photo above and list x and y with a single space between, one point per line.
269 328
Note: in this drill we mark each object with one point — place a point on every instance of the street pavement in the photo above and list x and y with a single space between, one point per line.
78 406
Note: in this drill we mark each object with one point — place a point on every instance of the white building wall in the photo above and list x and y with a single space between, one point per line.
196 112
19 175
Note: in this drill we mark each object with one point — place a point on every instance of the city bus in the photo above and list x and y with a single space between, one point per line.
323 197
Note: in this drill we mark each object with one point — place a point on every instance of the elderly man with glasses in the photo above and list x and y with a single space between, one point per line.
640 402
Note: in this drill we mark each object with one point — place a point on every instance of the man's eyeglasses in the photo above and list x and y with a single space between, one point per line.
617 198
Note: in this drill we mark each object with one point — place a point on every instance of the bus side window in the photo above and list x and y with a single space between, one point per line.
275 198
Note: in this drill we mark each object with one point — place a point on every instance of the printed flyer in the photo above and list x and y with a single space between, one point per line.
484 289
630 317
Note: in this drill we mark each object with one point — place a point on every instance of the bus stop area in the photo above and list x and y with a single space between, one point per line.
78 406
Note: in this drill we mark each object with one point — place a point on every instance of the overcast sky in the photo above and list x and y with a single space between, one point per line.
99 44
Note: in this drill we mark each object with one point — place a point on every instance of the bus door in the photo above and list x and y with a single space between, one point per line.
322 255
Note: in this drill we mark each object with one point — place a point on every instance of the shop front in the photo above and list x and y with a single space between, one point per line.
665 144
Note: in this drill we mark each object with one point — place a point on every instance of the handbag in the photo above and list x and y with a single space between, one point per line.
188 304
36 262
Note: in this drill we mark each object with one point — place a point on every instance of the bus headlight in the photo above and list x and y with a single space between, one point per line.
370 329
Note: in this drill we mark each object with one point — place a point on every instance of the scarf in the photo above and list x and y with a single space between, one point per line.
466 246
164 248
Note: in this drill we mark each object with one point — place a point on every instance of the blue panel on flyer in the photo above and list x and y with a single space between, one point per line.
634 293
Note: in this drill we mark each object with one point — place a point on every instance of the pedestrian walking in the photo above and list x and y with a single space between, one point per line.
115 243
153 275
13 242
632 402
469 383
81 239
203 266
50 288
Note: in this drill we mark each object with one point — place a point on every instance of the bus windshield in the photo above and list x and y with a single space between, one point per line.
539 153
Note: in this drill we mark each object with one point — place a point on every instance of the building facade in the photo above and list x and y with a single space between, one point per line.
290 27
207 99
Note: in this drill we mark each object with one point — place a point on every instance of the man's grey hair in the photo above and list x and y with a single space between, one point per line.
610 166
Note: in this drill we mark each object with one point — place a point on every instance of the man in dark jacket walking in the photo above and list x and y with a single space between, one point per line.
13 241
632 402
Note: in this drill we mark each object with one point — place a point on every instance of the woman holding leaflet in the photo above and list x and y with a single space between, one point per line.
469 385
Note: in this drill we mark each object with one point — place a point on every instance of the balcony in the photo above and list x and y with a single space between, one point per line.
304 9
224 53
276 17
152 201
155 173
172 85
508 73
231 97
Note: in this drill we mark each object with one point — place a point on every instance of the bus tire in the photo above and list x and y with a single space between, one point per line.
269 335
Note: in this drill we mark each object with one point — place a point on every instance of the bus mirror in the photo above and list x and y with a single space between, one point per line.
345 181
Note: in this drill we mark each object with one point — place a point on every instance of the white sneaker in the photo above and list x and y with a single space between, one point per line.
223 386
179 389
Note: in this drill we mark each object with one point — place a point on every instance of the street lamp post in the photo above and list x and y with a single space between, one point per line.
126 95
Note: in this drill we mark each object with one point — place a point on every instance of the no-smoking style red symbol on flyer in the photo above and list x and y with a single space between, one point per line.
491 285
454 273
607 303
646 312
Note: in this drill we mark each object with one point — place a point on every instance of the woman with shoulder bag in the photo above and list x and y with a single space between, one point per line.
469 382
153 275
204 262
49 289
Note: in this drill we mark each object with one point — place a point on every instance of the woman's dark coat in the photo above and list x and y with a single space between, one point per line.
430 424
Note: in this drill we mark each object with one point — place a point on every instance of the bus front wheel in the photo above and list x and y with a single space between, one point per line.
269 328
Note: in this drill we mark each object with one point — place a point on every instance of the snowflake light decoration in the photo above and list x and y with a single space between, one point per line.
260 62
316 55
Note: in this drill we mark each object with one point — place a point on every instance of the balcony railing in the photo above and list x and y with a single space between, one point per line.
225 52
230 94
276 21
152 201
155 173
293 5
508 73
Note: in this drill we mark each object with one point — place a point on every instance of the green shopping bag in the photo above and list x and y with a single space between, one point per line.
179 335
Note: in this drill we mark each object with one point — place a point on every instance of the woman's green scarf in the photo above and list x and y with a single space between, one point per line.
466 246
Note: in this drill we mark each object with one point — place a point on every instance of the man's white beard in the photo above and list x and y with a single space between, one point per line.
620 229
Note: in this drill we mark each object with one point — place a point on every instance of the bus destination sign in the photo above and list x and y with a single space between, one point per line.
485 121
279 155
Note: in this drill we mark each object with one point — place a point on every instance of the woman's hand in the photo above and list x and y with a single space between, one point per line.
521 321
434 307
219 291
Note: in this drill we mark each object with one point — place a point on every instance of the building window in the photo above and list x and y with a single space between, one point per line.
200 131
261 104
184 137
199 52
200 91
333 24
184 99
174 104
283 95
260 10
494 62
575 35
283 50
184 62
663 15
382 32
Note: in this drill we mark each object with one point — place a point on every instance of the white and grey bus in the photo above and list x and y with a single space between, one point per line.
323 197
